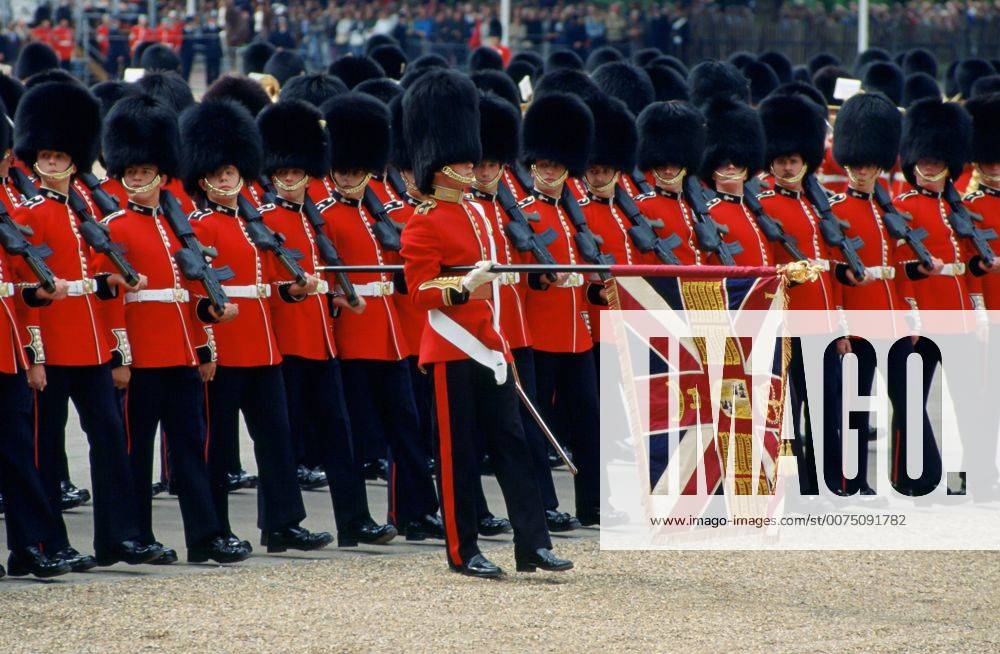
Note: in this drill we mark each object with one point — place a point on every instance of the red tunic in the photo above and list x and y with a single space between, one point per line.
303 329
677 218
412 317
608 222
729 211
63 42
377 332
22 344
986 203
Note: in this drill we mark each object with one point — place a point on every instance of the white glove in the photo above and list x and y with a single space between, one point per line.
479 275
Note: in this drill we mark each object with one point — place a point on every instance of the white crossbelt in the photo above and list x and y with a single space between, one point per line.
158 295
509 278
572 281
880 272
250 291
6 289
375 289
953 270
824 264
79 287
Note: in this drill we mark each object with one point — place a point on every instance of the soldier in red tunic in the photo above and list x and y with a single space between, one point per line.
169 331
57 135
985 201
220 149
463 346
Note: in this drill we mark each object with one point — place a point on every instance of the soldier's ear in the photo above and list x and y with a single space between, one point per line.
202 186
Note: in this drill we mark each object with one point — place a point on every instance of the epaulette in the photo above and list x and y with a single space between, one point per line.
644 196
424 207
198 214
975 195
526 201
907 195
394 205
711 203
766 194
584 201
32 201
326 203
264 208
837 198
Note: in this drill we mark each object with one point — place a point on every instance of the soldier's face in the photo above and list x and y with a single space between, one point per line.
787 167
667 172
990 170
549 172
598 176
486 172
52 162
349 178
139 176
864 175
225 178
289 176
930 167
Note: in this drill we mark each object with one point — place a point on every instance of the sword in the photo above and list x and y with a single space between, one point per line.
540 422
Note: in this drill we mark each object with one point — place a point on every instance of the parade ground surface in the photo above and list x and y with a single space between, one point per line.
401 597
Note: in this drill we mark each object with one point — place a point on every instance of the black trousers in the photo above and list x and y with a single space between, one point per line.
566 386
421 382
259 392
930 475
379 398
28 517
315 392
466 399
175 398
93 394
803 445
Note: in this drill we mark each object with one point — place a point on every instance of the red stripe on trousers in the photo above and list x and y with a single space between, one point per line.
447 476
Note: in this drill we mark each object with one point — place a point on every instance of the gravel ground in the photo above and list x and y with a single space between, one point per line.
664 601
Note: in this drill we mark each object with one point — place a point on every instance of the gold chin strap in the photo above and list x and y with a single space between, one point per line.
794 179
291 187
670 181
552 184
932 178
492 183
739 175
447 194
603 190
56 176
353 190
221 192
853 178
145 188
411 188
990 180
450 173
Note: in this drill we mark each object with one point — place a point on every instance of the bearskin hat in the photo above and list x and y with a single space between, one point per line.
602 55
558 127
628 83
255 56
441 124
139 129
673 62
314 88
573 82
61 117
284 65
793 125
715 79
499 128
985 112
430 60
868 57
671 133
867 131
377 41
497 82
353 70
734 133
217 134
52 75
668 84
950 83
779 63
986 85
934 129
358 125
763 80
160 57
399 152
532 58
615 136
825 80
238 88
518 70
802 74
485 58
392 60
169 88
968 71
643 56
822 60
294 136
140 49
741 59
804 90
919 86
920 60
35 58
886 78
382 88
6 135
563 59
11 90
110 92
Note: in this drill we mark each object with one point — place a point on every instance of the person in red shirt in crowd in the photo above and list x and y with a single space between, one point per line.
557 137
463 346
296 149
168 327
500 123
221 148
64 42
372 345
56 134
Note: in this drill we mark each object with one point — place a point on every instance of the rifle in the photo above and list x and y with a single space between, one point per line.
832 228
525 239
193 257
642 234
105 202
12 238
269 240
896 224
585 240
963 222
640 181
772 229
384 228
523 177
708 232
397 182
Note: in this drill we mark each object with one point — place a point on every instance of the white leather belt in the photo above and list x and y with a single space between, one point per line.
158 295
572 281
824 264
79 287
250 291
322 288
509 278
880 272
953 270
375 289
6 289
